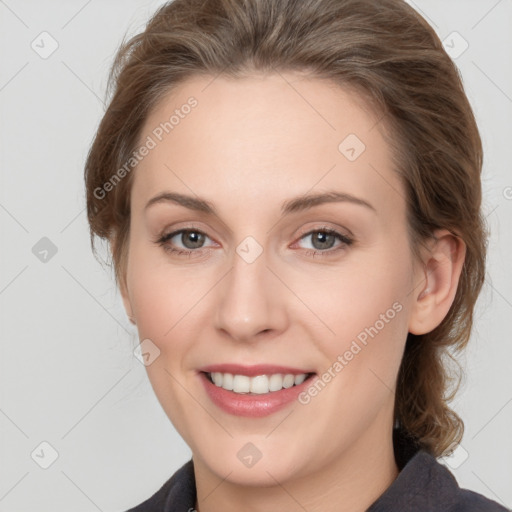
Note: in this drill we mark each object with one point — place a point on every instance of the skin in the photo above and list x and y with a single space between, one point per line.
250 145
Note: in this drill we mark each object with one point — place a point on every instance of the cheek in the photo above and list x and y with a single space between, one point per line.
163 300
161 295
354 297
159 281
365 307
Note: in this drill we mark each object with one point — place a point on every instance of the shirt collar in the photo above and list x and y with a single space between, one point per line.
422 484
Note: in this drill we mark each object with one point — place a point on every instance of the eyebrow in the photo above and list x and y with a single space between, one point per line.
294 205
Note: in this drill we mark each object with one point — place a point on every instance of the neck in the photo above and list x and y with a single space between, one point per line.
351 482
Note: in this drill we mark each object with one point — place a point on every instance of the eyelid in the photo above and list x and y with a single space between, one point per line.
329 229
323 227
165 236
342 230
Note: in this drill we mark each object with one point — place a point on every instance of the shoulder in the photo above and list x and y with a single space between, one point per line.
459 499
470 501
424 485
176 494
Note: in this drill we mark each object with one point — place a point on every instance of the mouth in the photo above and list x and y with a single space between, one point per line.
254 391
257 385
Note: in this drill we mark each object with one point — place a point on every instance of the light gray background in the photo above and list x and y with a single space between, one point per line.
68 374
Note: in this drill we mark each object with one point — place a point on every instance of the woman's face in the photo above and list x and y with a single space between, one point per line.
260 282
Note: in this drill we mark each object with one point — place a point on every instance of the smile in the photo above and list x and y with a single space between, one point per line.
260 384
253 391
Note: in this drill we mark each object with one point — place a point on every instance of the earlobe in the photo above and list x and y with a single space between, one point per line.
439 278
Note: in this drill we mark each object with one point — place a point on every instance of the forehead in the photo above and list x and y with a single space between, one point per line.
270 135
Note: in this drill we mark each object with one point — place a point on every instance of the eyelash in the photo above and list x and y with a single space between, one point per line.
346 242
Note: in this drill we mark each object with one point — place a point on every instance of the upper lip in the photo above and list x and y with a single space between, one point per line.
252 371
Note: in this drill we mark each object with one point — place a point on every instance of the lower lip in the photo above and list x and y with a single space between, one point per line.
254 406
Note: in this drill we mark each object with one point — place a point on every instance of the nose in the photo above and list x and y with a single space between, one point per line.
251 301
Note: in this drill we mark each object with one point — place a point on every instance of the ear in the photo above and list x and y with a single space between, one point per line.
439 273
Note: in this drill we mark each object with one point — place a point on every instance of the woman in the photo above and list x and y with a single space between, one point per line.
291 191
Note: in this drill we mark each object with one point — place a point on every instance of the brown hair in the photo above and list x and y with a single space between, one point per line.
388 53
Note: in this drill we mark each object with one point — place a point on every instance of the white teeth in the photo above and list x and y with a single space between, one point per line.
276 382
259 384
241 384
288 380
227 381
299 379
217 378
